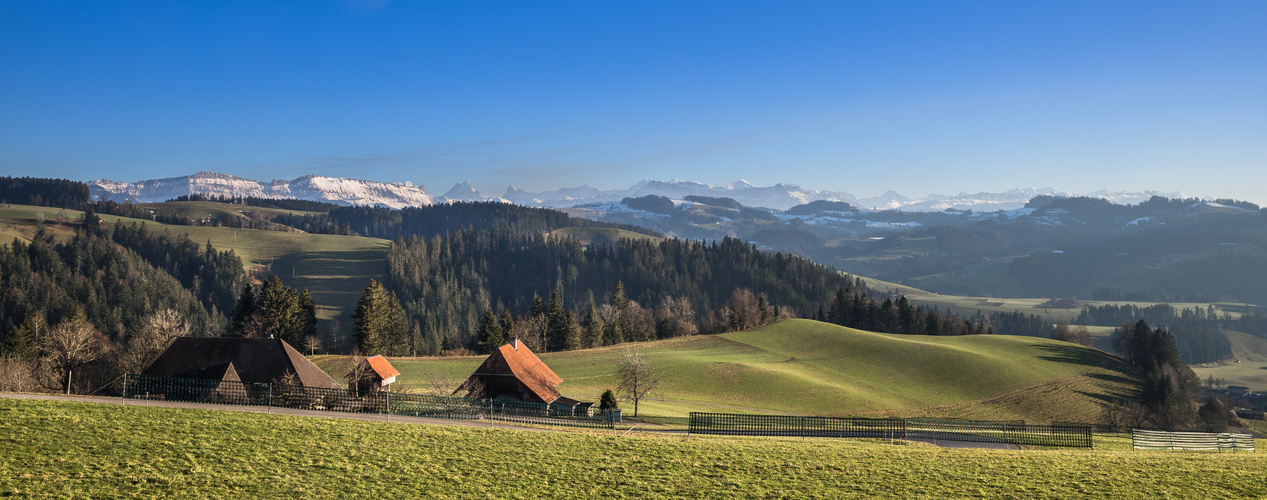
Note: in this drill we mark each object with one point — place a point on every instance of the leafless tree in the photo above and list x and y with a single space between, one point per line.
158 331
70 345
312 343
442 384
675 318
40 218
336 334
634 377
356 371
61 217
745 310
17 375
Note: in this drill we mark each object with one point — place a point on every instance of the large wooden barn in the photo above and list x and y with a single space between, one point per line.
239 360
514 372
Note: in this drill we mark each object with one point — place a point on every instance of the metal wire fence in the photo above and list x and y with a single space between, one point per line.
890 428
1205 441
226 392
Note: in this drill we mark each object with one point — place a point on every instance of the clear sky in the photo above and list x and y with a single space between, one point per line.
862 97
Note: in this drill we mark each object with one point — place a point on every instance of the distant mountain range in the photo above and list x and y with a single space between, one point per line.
779 197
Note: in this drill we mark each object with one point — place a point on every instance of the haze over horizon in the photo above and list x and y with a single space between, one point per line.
914 97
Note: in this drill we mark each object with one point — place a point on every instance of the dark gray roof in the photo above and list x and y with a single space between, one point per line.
234 358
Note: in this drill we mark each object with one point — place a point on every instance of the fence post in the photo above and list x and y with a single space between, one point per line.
389 405
124 397
270 398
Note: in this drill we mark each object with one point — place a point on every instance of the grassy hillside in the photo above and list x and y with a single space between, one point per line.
963 304
807 367
56 449
1248 366
334 268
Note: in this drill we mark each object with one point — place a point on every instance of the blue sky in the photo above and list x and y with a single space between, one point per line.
861 97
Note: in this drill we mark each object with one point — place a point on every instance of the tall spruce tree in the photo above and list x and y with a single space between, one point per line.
243 313
380 322
490 334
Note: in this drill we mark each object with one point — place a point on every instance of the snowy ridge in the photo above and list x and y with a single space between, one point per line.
337 190
778 196
465 192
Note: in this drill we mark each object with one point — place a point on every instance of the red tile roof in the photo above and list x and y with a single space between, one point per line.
380 366
517 360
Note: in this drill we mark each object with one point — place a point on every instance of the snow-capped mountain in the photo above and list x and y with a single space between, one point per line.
398 195
465 192
980 202
1128 198
309 187
778 196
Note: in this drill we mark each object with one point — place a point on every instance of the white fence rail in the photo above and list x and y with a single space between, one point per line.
1207 441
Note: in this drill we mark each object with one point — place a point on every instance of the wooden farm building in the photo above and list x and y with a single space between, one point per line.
238 359
372 374
514 372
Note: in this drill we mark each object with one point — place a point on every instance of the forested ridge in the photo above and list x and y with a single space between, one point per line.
446 282
433 220
43 284
1197 332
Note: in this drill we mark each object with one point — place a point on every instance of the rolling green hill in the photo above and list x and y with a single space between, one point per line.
808 367
334 268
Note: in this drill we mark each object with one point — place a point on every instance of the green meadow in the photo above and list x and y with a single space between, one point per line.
335 269
814 368
93 450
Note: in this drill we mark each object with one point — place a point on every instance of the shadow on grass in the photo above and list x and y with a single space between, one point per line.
1076 354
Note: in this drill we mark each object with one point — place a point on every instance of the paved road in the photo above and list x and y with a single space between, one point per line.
377 417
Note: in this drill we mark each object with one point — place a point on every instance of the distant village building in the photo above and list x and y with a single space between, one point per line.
372 374
514 372
238 359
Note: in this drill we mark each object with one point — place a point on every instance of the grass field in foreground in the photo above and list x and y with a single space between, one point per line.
808 367
82 450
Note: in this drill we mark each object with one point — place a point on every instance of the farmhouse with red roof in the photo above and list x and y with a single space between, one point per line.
514 372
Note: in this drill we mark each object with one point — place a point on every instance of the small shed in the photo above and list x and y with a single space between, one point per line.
372 374
514 372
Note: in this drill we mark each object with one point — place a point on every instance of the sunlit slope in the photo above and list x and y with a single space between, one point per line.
808 367
1248 366
602 235
334 268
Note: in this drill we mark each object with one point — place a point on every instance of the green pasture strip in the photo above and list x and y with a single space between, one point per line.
968 305
1248 366
199 210
82 450
805 367
604 235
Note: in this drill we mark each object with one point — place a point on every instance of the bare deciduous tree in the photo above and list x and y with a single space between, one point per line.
17 375
312 343
634 377
70 345
355 370
158 331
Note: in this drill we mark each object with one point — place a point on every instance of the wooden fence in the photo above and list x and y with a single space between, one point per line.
1204 441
